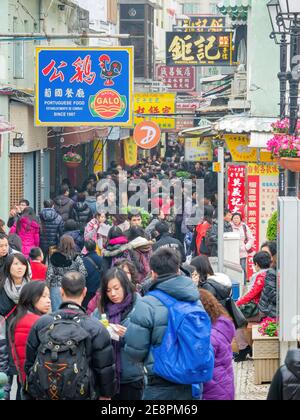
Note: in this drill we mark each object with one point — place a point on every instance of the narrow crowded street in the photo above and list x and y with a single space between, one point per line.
150 202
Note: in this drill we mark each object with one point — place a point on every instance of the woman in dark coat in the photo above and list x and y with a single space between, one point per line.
82 213
52 227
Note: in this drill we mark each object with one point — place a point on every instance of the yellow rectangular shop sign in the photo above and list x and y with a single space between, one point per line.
263 169
238 145
152 104
130 152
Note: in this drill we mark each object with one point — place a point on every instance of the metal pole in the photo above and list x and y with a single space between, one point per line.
57 163
283 87
221 208
42 166
294 86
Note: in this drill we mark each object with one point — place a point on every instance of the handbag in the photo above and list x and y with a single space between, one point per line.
250 251
250 310
236 314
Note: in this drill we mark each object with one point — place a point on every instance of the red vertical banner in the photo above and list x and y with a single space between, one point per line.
253 216
236 189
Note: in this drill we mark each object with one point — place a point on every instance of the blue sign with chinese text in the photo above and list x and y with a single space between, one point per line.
84 87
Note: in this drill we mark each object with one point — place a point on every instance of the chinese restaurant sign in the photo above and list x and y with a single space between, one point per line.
238 145
180 79
205 23
199 49
152 104
84 86
236 189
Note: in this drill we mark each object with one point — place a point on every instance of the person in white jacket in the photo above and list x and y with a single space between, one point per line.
246 240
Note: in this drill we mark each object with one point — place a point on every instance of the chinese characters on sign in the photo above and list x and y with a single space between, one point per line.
179 79
151 104
238 145
198 151
253 216
84 86
205 23
186 121
199 49
236 189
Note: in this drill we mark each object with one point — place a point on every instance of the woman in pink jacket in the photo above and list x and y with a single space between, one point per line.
246 240
28 229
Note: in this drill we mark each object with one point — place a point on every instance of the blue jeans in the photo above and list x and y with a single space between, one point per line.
56 299
168 393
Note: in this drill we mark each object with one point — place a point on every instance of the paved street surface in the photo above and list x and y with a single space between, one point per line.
245 388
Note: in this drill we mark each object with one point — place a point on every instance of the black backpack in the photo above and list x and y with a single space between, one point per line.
62 367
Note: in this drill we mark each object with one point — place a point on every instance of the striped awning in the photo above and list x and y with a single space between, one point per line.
237 10
6 127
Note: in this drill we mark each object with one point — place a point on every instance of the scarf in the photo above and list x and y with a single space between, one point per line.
12 292
114 312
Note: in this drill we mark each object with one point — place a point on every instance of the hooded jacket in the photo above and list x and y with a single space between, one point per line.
29 233
60 265
286 383
167 241
64 206
220 286
221 388
149 321
82 214
52 227
117 249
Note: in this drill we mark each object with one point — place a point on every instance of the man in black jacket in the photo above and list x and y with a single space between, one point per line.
213 233
98 348
165 240
286 383
17 212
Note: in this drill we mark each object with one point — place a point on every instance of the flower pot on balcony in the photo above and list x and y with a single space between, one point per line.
72 165
292 164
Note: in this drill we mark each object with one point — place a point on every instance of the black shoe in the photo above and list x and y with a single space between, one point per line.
242 356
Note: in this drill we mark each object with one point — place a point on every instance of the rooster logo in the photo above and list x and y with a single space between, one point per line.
109 70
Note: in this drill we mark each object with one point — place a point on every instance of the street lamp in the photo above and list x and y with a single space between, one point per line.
285 20
58 132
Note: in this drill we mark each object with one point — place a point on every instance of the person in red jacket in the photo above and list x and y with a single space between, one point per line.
38 269
34 302
262 262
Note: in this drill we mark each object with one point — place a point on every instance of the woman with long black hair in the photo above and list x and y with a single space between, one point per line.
33 303
14 277
118 300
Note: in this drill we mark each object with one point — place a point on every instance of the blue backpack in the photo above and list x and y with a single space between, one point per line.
185 355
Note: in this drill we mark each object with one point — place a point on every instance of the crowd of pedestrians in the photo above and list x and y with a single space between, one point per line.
88 298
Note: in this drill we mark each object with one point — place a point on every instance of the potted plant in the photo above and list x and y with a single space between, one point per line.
284 146
266 350
72 160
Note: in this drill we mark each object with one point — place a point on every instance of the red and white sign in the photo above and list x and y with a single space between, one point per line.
147 135
236 189
186 121
178 78
253 216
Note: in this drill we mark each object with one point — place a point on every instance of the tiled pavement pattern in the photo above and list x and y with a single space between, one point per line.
244 383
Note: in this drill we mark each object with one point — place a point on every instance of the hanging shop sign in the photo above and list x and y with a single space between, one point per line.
178 79
84 86
147 135
236 189
199 49
238 145
204 24
198 150
152 104
253 220
130 152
